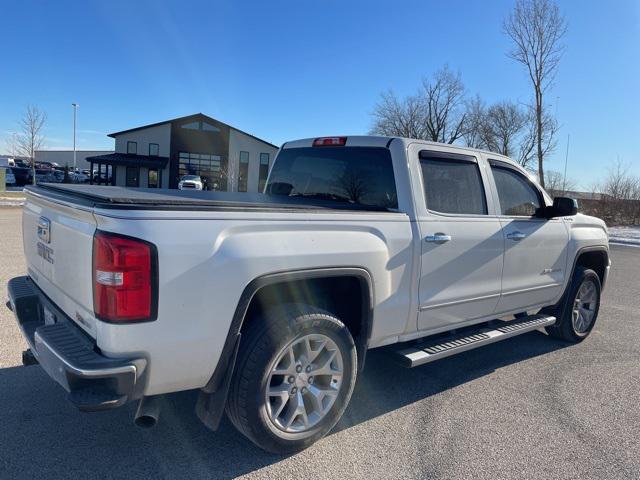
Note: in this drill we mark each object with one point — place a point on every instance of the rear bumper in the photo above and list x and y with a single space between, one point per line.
69 356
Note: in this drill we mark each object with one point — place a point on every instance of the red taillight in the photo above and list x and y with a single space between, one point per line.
124 278
330 142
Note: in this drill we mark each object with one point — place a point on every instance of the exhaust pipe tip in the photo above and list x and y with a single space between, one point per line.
145 421
148 412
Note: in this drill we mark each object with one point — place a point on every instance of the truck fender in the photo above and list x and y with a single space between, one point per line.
212 397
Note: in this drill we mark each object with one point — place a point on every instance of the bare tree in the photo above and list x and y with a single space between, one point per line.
399 117
475 133
536 29
444 97
621 199
30 137
436 112
557 185
504 128
505 123
12 144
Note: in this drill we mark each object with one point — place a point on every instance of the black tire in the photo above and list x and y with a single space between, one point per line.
260 344
564 328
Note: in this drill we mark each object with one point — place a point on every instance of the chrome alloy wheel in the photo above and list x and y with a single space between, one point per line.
584 307
304 382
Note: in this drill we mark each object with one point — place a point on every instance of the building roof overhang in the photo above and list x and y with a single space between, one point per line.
130 160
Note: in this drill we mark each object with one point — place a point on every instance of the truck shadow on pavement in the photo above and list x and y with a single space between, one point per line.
42 435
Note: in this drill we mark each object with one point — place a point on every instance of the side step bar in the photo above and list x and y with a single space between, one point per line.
432 350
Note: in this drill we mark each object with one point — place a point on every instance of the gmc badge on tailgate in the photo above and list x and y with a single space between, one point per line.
44 229
44 234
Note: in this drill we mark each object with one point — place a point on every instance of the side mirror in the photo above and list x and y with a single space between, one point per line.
563 207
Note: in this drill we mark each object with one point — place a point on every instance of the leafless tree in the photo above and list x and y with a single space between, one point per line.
436 112
12 144
505 123
536 28
557 185
475 133
396 117
621 196
444 97
504 128
30 137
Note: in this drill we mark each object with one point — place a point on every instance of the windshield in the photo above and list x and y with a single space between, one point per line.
191 177
358 175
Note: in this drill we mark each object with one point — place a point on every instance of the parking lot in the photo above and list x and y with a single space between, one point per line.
529 407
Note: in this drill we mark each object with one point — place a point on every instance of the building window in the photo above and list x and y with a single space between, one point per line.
264 171
191 126
154 178
207 127
154 149
204 126
132 147
243 174
212 169
133 176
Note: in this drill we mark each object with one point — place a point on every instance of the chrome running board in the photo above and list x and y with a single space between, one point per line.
430 350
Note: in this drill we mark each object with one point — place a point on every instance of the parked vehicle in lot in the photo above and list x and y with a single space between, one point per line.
23 175
190 182
268 303
43 174
54 176
9 178
78 177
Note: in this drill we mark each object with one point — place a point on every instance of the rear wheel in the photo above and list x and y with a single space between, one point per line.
294 377
581 307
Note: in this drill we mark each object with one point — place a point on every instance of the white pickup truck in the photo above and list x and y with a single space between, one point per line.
268 303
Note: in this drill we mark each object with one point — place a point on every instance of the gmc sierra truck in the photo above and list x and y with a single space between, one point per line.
267 303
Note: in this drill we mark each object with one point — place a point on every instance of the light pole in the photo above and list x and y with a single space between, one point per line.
75 109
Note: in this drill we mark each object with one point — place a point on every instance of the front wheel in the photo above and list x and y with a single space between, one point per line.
581 308
294 377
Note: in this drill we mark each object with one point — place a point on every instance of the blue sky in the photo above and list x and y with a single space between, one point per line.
283 70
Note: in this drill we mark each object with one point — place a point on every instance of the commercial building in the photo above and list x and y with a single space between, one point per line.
158 155
65 157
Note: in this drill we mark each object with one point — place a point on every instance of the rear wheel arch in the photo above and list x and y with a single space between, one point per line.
212 398
317 288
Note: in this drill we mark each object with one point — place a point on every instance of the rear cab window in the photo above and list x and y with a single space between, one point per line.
349 175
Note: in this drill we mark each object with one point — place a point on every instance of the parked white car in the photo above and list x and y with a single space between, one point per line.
190 182
268 303
78 177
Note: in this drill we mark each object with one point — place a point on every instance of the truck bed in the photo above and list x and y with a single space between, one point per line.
114 197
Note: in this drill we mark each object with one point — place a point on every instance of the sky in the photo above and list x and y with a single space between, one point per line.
283 70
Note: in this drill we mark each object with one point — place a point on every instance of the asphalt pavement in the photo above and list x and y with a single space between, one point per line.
530 407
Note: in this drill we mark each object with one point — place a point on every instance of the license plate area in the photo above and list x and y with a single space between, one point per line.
48 316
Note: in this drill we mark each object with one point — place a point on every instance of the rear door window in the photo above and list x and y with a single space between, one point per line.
452 185
356 175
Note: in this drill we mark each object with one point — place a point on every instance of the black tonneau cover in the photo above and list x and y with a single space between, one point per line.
165 199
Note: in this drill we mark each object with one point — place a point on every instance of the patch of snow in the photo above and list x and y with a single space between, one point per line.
625 235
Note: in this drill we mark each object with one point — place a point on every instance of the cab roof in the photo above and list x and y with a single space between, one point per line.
385 141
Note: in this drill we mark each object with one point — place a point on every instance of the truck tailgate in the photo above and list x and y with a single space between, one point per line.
58 245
